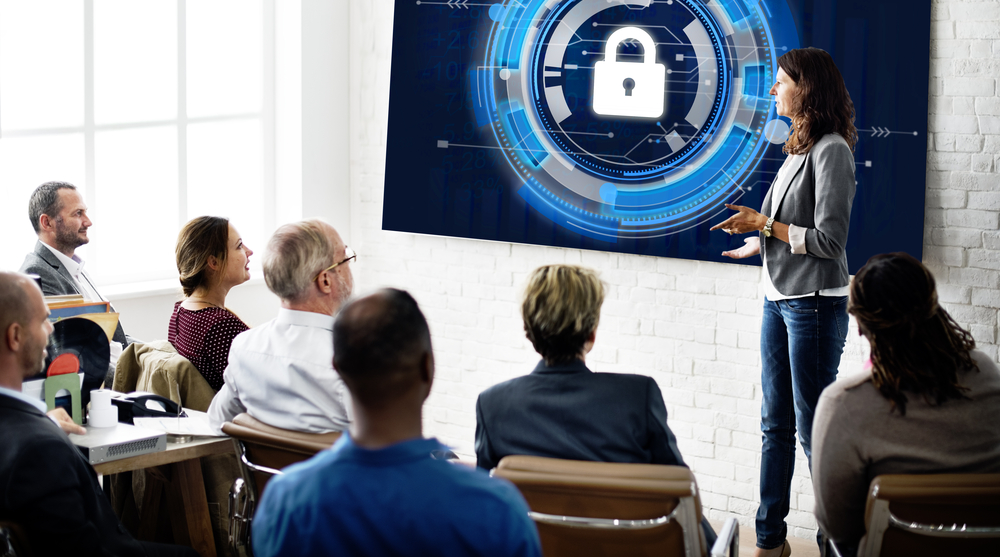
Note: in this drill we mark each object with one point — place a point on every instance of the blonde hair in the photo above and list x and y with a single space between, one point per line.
200 239
294 255
561 309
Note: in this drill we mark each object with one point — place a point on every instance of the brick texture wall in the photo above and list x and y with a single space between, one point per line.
693 326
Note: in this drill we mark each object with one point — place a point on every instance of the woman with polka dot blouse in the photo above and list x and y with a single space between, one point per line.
211 259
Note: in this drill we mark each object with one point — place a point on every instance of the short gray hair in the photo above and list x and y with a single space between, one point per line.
45 200
294 255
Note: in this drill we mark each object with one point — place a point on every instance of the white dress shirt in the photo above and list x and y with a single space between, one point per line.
86 288
75 266
281 372
797 242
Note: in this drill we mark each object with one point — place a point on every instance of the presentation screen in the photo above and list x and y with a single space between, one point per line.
627 125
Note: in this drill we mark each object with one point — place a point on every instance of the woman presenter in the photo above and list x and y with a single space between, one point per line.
802 235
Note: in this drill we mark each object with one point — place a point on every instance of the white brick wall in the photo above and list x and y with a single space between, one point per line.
693 326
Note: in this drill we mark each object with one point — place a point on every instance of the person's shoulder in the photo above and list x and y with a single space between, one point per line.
618 381
478 484
504 388
830 143
851 386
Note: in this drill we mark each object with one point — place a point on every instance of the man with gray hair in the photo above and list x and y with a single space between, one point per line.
281 372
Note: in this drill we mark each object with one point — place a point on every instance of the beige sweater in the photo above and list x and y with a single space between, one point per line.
856 438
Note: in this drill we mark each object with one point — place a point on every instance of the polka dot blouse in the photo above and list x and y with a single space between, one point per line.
203 337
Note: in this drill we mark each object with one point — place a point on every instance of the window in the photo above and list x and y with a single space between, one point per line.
158 111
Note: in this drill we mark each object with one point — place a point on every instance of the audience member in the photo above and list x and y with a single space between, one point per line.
928 403
59 217
379 491
211 260
281 372
46 486
562 409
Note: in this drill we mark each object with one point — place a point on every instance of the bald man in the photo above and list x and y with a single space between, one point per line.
380 491
46 486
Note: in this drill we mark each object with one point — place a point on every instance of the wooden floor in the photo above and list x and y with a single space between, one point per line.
748 542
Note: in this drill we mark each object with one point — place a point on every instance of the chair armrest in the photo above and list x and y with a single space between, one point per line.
728 541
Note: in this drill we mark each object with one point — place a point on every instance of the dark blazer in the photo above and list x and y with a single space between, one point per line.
569 412
56 279
819 197
49 488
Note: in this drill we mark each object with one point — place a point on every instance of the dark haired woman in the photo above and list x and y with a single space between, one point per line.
802 234
929 403
211 260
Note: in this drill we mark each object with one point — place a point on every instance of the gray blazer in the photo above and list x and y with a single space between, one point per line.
56 279
818 198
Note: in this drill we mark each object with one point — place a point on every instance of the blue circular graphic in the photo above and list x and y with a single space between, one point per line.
607 176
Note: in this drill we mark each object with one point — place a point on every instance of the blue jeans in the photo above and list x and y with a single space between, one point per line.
801 340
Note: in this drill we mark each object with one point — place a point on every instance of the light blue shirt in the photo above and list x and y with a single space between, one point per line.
281 372
18 395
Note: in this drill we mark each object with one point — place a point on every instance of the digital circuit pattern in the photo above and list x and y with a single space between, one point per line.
627 125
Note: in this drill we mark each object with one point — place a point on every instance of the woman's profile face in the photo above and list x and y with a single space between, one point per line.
238 260
784 91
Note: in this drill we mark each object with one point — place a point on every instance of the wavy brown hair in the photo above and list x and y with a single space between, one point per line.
824 104
200 239
916 346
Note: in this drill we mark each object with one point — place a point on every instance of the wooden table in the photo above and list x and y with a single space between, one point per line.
187 500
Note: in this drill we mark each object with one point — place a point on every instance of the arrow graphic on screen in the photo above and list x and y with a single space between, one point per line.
883 132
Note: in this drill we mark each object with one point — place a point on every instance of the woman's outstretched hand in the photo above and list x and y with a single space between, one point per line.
747 220
750 248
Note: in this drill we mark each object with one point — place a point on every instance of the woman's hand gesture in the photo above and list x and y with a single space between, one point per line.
750 248
747 220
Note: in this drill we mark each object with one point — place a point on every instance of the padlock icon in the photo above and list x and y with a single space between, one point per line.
629 88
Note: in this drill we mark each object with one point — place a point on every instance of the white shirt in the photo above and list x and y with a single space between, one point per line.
281 372
797 242
74 266
86 288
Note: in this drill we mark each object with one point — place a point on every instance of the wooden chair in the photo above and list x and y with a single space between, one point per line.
263 451
933 515
584 508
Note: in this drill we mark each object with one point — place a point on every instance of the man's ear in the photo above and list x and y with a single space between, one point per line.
593 336
427 369
14 337
324 284
45 222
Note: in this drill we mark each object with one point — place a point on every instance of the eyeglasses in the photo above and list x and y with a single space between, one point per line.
350 256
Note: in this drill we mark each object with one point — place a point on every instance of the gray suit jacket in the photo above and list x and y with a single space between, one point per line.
818 198
56 279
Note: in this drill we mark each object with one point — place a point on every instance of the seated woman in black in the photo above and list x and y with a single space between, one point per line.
562 409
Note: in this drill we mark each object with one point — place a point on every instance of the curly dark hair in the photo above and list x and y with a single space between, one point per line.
916 346
824 103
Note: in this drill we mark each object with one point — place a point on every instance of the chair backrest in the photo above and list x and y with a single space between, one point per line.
933 515
267 449
586 508
158 368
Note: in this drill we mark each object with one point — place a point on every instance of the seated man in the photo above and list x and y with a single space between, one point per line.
46 485
281 372
929 402
59 217
380 491
562 409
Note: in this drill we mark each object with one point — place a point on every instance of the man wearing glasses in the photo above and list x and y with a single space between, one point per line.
281 372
